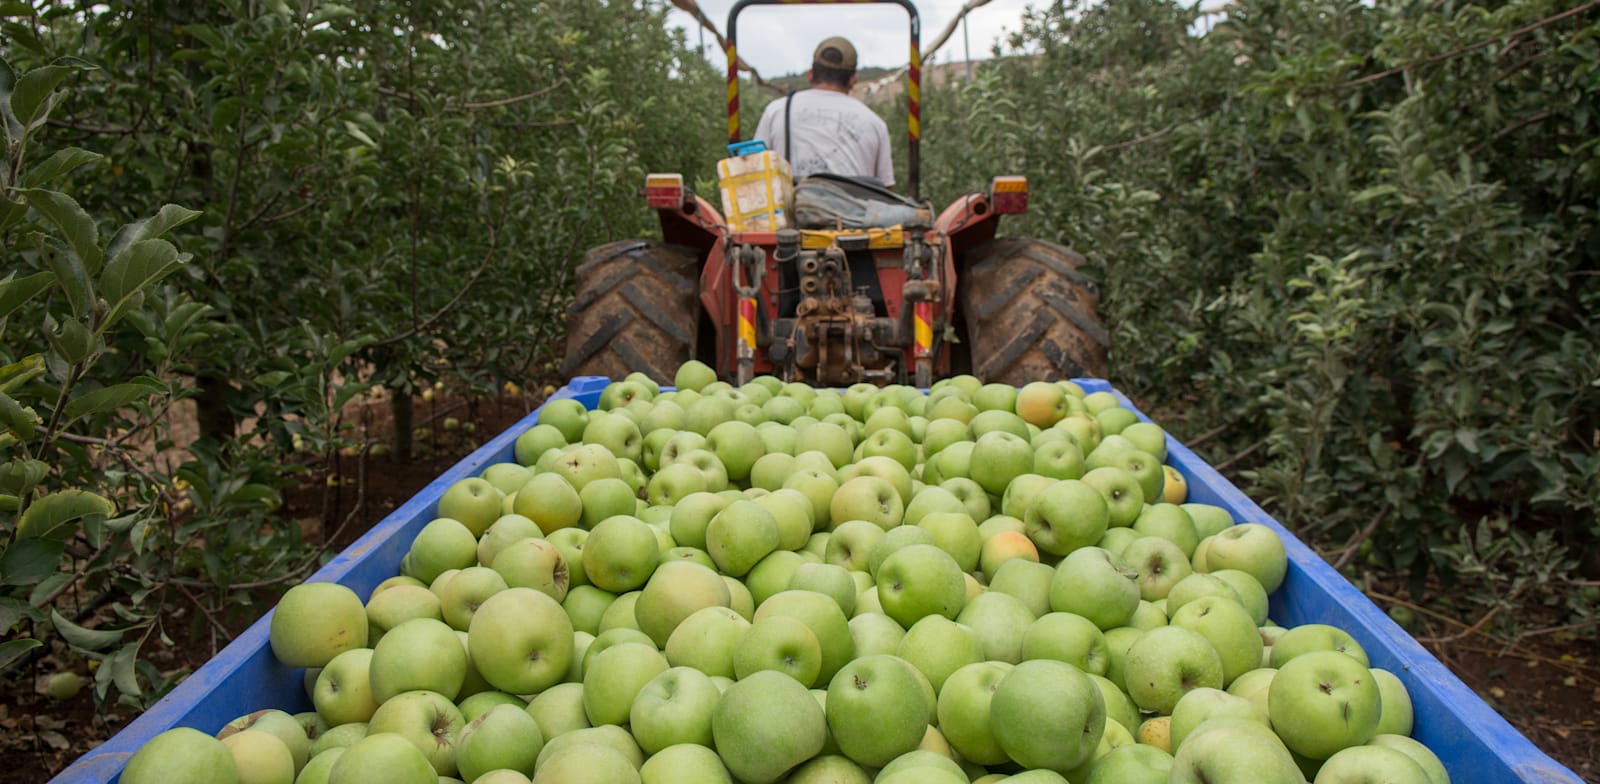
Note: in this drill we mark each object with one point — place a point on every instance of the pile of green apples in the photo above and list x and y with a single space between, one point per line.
980 583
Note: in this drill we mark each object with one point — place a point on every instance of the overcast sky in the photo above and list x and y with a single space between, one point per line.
779 39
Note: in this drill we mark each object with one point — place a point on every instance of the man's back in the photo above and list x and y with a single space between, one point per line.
833 132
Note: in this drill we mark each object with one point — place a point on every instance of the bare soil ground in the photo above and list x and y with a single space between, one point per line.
1547 685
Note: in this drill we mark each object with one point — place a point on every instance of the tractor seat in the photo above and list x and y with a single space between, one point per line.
832 201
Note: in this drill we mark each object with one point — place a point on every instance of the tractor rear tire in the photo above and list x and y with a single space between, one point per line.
636 308
1030 315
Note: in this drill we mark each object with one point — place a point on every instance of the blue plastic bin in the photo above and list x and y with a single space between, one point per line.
1475 743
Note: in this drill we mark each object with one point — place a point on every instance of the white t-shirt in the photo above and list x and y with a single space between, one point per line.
833 133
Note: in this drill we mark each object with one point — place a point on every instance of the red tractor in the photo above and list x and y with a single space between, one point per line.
927 298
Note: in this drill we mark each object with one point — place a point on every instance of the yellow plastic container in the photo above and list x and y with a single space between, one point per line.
757 190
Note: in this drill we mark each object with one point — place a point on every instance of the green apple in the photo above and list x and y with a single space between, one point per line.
428 720
534 442
319 767
957 534
567 415
893 541
1124 496
521 641
829 768
343 691
1027 580
1324 701
737 445
772 574
615 676
1159 562
831 580
1001 622
443 544
419 654
1004 546
1041 403
387 757
825 619
181 755
1252 548
706 640
1090 583
1069 638
480 703
504 738
851 544
550 501
920 580
875 633
1065 516
740 535
474 502
686 763
530 563
1251 595
876 709
339 736
691 515
1059 458
1165 663
1312 637
620 553
606 497
504 530
1047 714
1203 704
964 711
1134 764
828 438
1169 522
772 469
781 643
793 513
1420 754
938 646
1372 765
995 397
260 757
997 458
1227 626
1209 519
869 498
694 375
675 591
1396 716
585 605
674 708
765 725
818 486
1240 751
558 710
315 622
1196 585
395 605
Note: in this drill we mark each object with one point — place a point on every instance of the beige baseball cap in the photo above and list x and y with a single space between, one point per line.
835 52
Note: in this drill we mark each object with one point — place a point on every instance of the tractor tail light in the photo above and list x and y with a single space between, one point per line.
663 191
1009 195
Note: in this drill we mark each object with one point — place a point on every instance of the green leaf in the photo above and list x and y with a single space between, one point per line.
48 586
17 418
30 560
169 217
55 516
130 271
15 292
84 639
113 398
30 96
11 611
20 372
73 223
69 272
73 341
347 393
22 475
12 650
60 163
123 666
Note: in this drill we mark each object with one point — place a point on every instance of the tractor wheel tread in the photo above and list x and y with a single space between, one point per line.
635 308
1029 313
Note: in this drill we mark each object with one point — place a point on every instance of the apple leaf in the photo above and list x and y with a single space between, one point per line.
141 264
81 638
28 561
63 212
58 164
15 292
169 217
54 515
113 397
13 649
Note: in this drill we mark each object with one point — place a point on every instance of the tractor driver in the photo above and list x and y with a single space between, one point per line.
832 131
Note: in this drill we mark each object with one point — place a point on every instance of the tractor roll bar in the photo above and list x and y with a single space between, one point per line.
913 90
